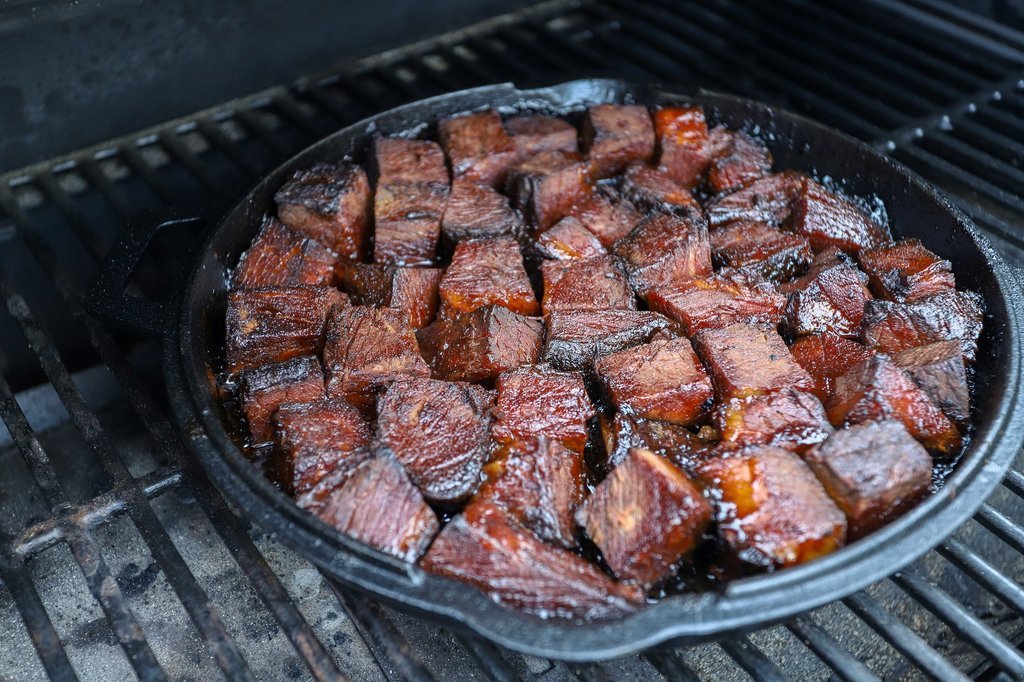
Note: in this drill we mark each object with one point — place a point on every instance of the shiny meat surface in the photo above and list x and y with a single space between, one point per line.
534 134
568 239
737 159
906 271
829 300
653 189
280 257
547 185
765 200
411 290
575 339
478 147
485 272
331 204
476 211
789 419
665 250
830 219
950 316
585 284
615 136
537 401
747 359
607 215
827 357
399 160
408 222
716 302
683 149
938 369
761 250
676 442
266 388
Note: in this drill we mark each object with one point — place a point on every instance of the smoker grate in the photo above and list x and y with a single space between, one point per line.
117 556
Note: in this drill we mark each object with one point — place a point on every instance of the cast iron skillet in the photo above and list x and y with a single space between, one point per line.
192 330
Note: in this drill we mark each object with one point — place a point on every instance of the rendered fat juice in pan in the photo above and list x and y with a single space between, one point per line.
582 363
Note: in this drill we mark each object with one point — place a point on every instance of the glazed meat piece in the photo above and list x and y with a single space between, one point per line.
950 316
537 401
770 508
366 347
665 250
401 161
585 284
878 389
683 149
279 257
438 431
540 484
830 219
661 380
546 186
266 388
653 189
678 443
717 302
938 369
477 211
827 357
575 339
737 160
765 200
607 215
875 472
378 505
569 239
747 359
644 517
408 222
315 439
761 250
485 272
534 134
411 290
329 202
790 419
906 271
478 147
480 345
485 548
827 300
614 136
274 324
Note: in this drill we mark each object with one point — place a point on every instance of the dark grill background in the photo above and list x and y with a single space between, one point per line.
119 557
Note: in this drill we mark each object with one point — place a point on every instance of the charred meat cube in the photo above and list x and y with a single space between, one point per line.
478 147
480 345
536 401
408 222
485 272
315 439
577 338
761 250
403 161
279 257
485 548
874 472
737 159
607 215
644 517
950 316
826 357
653 189
546 186
585 284
717 302
438 431
329 202
476 211
615 136
829 219
665 250
567 239
366 347
683 151
906 271
747 359
273 324
534 134
765 200
411 290
661 380
770 508
681 445
878 389
827 300
938 369
790 419
266 388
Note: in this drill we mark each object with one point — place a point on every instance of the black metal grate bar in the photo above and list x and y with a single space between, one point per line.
845 665
752 659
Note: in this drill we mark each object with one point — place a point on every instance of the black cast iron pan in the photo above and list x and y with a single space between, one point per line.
192 330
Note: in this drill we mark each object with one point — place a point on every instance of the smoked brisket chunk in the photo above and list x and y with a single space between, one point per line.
607 215
400 161
950 316
478 147
614 136
438 431
765 200
830 219
280 257
575 339
534 134
761 250
874 472
716 302
475 211
408 222
906 271
747 359
644 517
737 160
274 324
674 441
329 202
485 548
683 148
665 250
485 272
266 388
770 508
315 439
827 357
585 284
653 189
789 419
411 290
545 187
480 345
938 369
568 239
827 300
537 401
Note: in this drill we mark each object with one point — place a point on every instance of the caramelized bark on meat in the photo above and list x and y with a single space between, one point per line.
411 290
408 222
540 484
329 202
315 439
906 271
765 200
537 401
683 150
748 359
546 186
829 219
279 257
485 548
761 250
607 215
485 272
614 136
653 189
718 302
938 369
790 419
827 300
478 147
402 161
266 388
878 389
568 239
575 339
534 134
476 211
585 284
644 517
665 250
827 357
875 472
674 441
661 380
273 324
770 508
737 160
438 431
366 347
950 316
480 345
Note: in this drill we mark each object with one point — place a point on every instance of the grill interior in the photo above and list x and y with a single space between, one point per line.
117 556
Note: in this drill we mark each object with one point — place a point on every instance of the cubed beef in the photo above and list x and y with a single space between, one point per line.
717 302
653 189
682 134
748 359
567 239
412 290
475 211
402 161
266 388
485 272
315 439
607 215
826 357
585 284
827 300
681 445
329 202
765 200
737 159
950 316
906 271
938 369
534 134
829 219
575 339
665 250
478 147
546 186
408 222
280 257
761 250
536 401
615 136
790 419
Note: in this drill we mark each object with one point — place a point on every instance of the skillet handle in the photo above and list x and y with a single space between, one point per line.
109 297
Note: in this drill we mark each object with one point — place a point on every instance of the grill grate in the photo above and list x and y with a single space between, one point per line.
115 549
